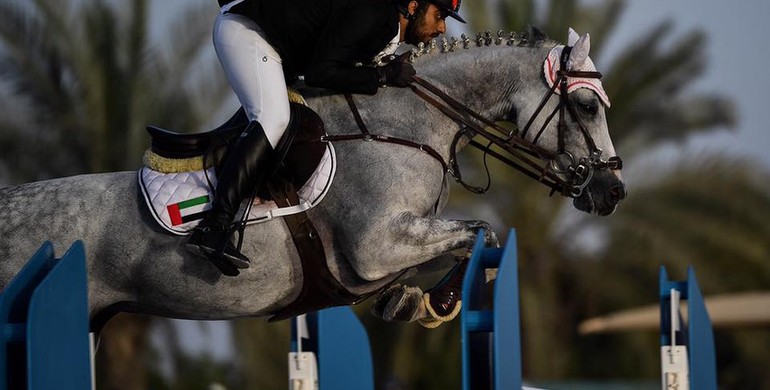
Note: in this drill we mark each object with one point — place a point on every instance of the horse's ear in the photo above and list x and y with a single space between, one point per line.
579 53
536 35
572 37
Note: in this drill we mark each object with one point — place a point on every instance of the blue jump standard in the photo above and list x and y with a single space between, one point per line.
491 344
698 337
44 320
341 345
490 337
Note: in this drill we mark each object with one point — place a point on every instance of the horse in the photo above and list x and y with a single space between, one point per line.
379 219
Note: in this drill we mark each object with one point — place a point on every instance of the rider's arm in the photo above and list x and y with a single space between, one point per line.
346 39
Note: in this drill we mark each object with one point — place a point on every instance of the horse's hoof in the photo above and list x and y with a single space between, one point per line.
442 309
443 301
399 303
378 308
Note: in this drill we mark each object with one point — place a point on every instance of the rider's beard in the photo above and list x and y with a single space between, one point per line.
416 31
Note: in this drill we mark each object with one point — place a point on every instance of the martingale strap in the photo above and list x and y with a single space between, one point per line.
365 135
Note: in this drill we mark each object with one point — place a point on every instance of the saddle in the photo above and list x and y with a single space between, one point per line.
299 149
186 164
181 169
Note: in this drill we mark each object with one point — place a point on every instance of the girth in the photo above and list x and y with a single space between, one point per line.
320 289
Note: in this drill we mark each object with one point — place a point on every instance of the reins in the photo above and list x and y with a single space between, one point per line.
556 170
519 148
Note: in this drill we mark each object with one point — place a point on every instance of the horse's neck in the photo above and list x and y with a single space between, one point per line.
483 78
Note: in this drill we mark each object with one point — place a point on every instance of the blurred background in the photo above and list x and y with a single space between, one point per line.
79 80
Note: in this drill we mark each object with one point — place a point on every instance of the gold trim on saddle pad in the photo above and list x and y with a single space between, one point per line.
162 164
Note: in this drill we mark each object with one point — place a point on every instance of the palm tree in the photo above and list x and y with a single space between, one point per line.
703 210
707 212
85 78
663 220
80 80
692 201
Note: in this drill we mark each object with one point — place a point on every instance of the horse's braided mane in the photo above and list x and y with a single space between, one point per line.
532 39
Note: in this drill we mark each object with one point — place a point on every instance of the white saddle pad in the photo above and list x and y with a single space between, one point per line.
178 201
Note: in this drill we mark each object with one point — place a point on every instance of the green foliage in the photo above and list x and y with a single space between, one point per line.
82 79
706 210
194 373
79 81
262 353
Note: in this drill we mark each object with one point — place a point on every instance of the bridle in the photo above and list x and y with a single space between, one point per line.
558 170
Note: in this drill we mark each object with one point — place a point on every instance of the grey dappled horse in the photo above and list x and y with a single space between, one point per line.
377 220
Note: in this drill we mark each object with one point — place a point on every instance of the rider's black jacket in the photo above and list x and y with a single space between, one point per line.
324 39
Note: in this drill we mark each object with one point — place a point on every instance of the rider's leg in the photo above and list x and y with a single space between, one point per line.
254 71
242 172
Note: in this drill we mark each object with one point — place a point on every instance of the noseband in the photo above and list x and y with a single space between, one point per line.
558 170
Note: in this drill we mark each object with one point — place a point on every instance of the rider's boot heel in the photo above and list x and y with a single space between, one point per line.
240 176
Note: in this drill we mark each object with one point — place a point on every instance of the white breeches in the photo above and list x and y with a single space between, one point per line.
254 70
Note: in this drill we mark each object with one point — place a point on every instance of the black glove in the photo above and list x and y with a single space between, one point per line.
396 73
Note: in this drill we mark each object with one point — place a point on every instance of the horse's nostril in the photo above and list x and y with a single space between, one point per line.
618 192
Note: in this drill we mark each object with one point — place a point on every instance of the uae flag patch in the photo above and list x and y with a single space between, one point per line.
188 210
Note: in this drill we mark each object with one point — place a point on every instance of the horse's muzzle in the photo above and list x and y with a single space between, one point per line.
602 195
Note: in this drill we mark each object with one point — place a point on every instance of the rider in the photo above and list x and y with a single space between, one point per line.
263 43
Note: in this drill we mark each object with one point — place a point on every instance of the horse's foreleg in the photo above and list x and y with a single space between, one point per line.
431 308
409 241
434 236
431 238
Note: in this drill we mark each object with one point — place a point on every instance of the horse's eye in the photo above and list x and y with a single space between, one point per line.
590 108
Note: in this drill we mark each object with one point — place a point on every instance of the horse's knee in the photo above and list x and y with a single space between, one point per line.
490 238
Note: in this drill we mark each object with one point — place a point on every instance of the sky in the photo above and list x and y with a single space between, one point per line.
735 55
737 58
736 52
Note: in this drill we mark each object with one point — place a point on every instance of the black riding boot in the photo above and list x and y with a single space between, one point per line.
240 176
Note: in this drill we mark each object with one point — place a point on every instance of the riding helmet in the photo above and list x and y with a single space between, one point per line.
451 7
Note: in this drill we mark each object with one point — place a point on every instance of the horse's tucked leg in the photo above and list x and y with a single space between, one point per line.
439 235
409 241
431 237
439 304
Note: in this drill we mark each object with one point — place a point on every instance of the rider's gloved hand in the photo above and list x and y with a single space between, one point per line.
396 73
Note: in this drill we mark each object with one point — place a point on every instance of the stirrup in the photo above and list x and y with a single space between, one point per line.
215 245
